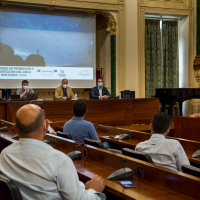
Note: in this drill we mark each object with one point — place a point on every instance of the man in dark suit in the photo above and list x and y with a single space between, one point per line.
100 92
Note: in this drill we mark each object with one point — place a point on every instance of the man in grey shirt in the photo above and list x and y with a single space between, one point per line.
24 90
39 170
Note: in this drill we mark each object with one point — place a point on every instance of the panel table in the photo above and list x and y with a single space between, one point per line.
109 112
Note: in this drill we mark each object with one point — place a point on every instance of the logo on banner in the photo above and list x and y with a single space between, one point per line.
55 70
38 70
62 73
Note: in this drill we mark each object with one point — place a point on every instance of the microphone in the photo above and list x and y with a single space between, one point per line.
122 174
5 128
124 136
75 155
32 101
86 154
124 160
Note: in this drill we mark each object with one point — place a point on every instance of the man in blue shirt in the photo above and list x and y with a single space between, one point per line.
79 128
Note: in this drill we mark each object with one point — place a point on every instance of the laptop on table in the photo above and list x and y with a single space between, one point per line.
32 96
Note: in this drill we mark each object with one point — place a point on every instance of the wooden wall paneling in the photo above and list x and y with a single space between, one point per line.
3 110
58 110
12 107
113 112
187 128
109 112
144 110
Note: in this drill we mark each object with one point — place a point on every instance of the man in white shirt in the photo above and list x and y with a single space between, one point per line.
164 152
40 171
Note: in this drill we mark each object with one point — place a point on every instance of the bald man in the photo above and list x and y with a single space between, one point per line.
40 171
64 91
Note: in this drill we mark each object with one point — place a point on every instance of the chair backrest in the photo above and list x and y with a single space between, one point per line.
8 189
138 155
115 150
94 143
188 169
64 135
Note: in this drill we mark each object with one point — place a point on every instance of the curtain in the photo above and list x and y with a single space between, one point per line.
170 54
153 57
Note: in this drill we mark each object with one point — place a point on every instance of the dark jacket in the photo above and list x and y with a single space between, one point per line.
95 92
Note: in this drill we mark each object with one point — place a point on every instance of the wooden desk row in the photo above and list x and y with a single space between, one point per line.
136 137
159 183
109 112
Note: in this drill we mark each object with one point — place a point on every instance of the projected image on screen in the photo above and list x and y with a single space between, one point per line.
40 46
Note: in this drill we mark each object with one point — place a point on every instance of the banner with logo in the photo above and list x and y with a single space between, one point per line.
52 73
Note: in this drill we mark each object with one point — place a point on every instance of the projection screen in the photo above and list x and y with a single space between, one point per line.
45 47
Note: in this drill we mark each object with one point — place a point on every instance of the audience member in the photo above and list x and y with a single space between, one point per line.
164 152
79 128
40 171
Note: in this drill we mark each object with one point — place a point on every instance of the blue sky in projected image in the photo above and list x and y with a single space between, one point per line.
61 40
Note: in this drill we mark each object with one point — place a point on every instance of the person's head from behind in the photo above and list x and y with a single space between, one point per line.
40 104
79 108
160 123
30 122
25 84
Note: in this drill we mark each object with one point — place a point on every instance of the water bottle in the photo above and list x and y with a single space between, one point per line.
120 95
76 96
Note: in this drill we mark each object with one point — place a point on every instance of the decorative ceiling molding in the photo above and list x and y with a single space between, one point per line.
174 1
111 23
174 4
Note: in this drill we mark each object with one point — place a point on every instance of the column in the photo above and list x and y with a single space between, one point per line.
113 65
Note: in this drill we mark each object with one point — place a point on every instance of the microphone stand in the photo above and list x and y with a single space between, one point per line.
75 155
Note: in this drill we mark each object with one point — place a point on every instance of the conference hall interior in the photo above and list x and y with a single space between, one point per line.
99 99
